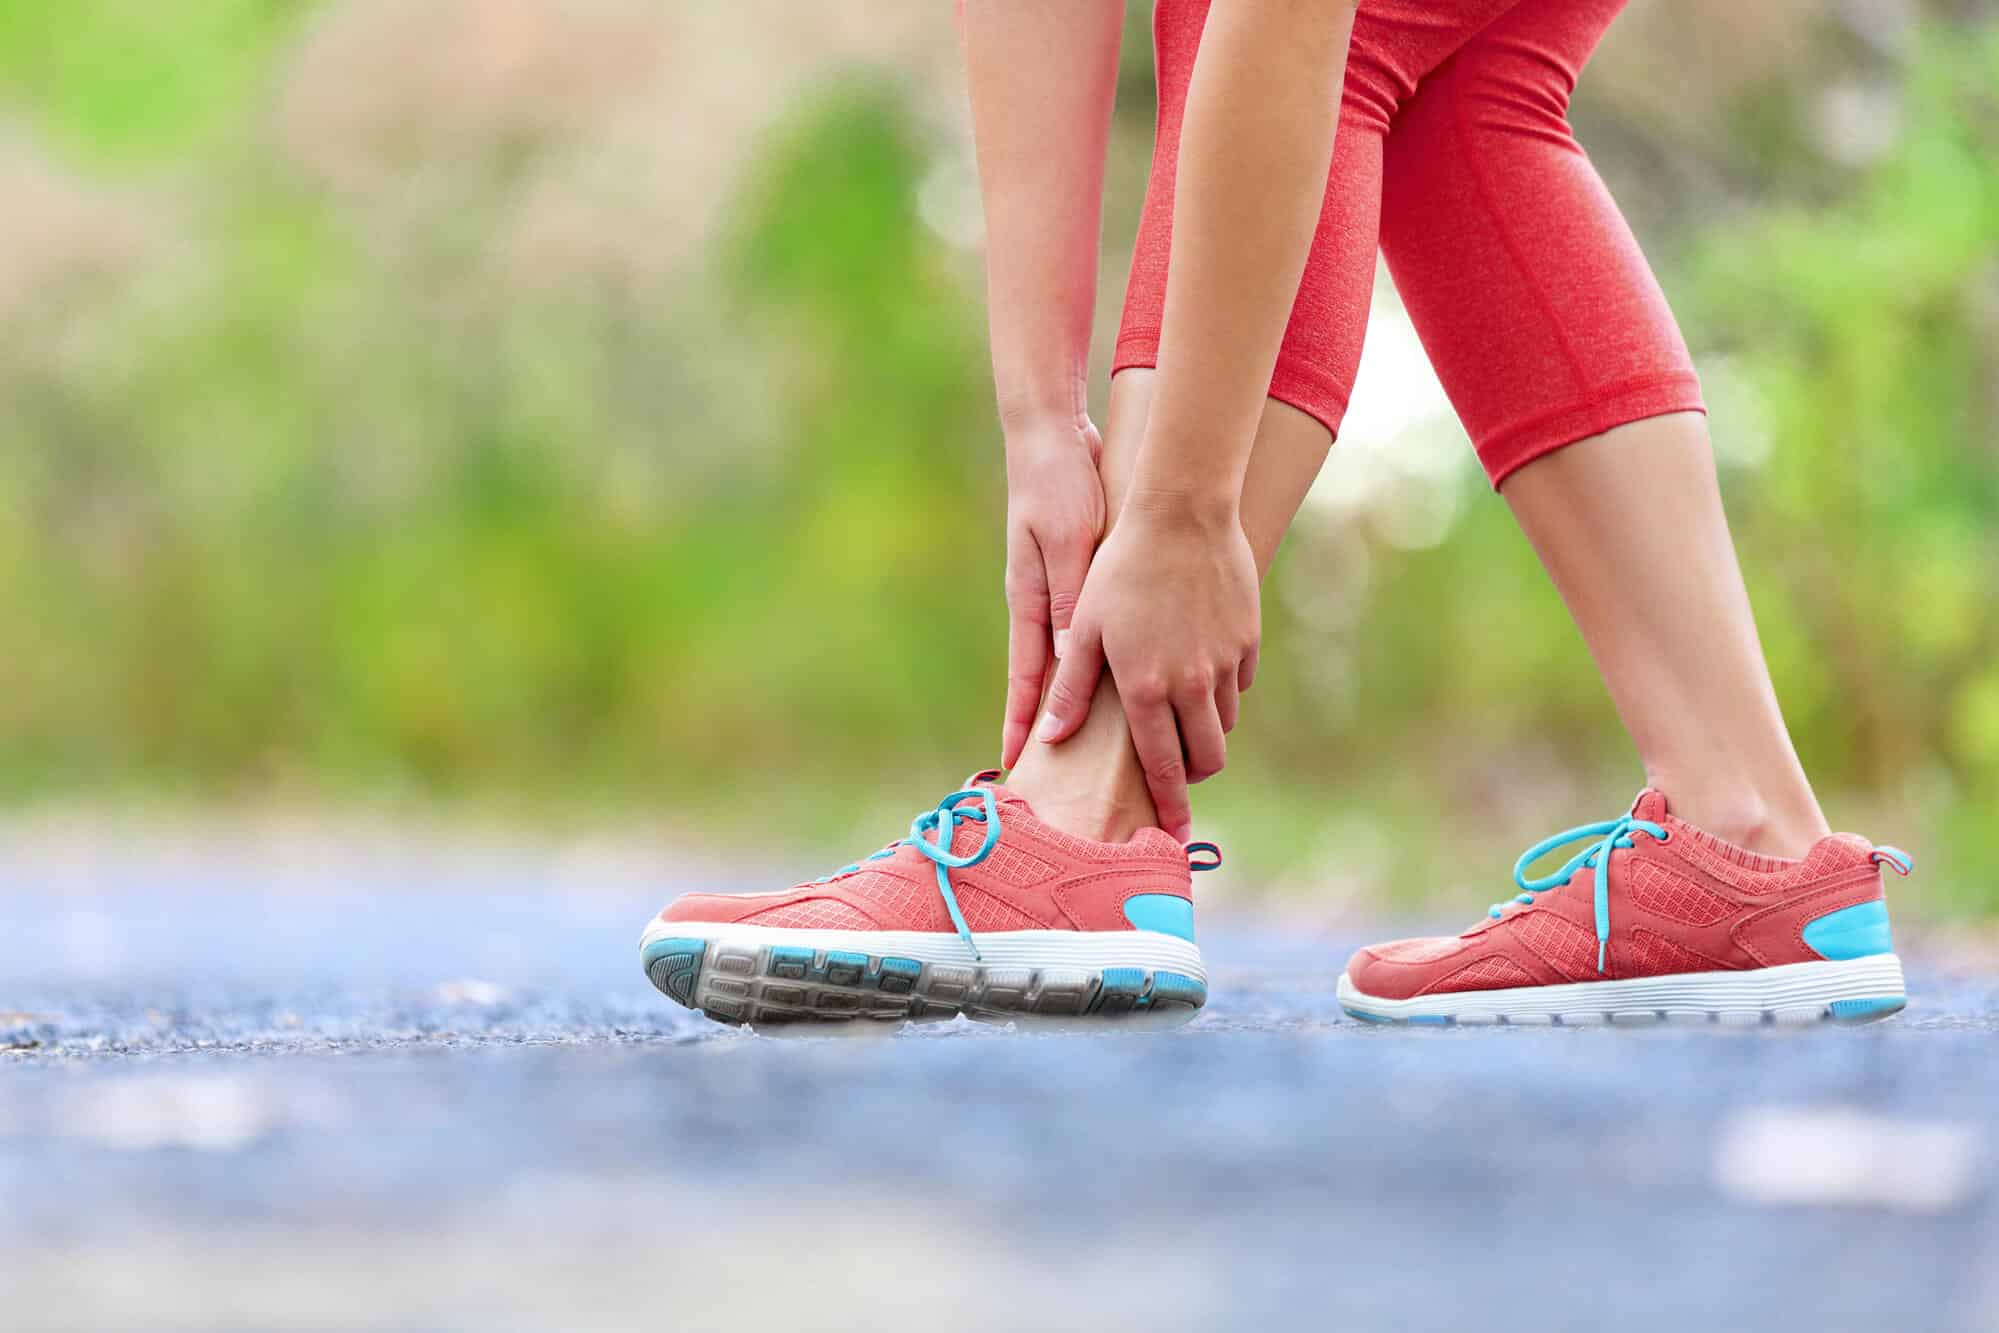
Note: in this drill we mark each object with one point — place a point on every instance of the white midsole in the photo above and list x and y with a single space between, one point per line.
1794 985
1148 949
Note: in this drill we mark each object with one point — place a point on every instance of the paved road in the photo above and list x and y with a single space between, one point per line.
365 1105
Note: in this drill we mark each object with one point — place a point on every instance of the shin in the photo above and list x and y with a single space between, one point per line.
1630 526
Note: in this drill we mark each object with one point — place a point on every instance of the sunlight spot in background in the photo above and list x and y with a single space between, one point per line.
1856 123
1402 462
482 994
1738 415
203 1112
1845 1158
1396 390
948 202
1399 475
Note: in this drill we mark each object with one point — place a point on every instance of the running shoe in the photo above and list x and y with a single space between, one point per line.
1654 919
982 910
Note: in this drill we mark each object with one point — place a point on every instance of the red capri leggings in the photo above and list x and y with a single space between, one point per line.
1454 153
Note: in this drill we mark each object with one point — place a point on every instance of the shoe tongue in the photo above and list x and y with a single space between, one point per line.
1650 806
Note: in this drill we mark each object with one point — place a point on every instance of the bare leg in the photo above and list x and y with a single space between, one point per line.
1091 784
1629 525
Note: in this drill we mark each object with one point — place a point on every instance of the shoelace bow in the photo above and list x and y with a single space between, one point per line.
932 832
1603 838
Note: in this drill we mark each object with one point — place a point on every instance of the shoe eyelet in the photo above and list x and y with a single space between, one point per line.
1665 837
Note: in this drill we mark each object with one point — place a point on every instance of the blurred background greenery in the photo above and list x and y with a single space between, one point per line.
575 411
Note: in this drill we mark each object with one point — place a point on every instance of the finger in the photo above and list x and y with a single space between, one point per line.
1067 561
1201 735
1075 684
1026 672
1156 737
1245 674
1026 641
1228 700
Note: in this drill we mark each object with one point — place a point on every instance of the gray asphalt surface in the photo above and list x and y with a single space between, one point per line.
379 1101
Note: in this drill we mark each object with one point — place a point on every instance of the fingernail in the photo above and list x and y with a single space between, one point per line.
1050 724
1061 643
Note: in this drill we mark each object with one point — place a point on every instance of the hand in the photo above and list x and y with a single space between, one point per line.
1054 519
1171 605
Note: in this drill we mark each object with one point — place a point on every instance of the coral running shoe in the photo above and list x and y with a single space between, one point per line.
982 910
1654 919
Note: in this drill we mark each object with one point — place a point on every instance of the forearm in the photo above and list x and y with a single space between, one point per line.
1255 149
1042 76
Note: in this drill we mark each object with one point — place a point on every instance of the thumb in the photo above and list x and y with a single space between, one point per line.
1074 686
1066 564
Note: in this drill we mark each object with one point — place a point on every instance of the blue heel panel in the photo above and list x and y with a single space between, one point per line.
1166 913
1851 932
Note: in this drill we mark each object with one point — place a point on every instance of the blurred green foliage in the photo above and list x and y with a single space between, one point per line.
308 496
120 78
1870 331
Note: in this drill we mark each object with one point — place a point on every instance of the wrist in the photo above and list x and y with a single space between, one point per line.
1044 412
1199 509
1049 442
1182 476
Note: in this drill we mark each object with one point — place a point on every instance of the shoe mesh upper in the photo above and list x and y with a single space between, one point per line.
1650 954
1013 867
984 912
1485 974
1148 845
1657 889
813 914
1417 951
1560 943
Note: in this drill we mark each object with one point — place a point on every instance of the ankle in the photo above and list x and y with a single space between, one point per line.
1745 816
1094 818
1089 785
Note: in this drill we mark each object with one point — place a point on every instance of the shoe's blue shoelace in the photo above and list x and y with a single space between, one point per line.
1603 839
942 824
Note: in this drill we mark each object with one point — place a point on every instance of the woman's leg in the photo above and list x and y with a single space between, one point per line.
1560 354
1630 526
1091 784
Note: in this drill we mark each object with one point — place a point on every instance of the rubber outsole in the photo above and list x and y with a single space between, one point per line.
1851 991
737 981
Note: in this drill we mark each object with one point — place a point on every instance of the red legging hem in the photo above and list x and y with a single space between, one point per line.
1512 447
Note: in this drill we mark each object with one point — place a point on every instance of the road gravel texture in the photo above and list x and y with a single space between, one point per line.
377 1095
